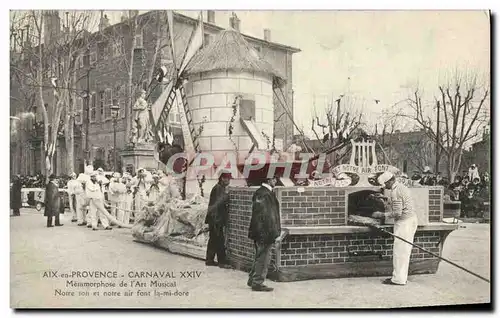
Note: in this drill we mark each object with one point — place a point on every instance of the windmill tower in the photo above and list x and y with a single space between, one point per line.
226 89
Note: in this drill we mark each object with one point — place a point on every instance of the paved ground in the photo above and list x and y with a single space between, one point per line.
36 249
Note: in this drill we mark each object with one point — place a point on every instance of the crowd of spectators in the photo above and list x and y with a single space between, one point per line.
470 187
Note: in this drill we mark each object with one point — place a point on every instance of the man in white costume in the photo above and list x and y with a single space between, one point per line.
473 172
102 180
84 178
140 184
167 183
113 193
96 197
154 189
74 186
405 225
127 203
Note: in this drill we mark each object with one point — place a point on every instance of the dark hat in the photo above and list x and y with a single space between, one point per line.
52 177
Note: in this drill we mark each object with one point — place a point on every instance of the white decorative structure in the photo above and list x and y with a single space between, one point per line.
363 154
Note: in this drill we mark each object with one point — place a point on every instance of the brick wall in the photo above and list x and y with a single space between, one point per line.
240 248
314 207
436 204
324 249
302 250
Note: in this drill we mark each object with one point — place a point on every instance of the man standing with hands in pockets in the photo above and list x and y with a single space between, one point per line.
265 228
216 219
405 225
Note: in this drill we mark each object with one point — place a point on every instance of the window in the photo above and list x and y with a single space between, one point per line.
93 111
86 60
117 95
247 108
123 106
101 104
93 56
207 39
80 61
118 47
78 110
108 101
138 40
102 50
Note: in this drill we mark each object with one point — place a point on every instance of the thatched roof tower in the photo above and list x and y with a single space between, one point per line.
230 51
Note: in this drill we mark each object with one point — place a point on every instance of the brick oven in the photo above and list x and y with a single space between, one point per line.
321 244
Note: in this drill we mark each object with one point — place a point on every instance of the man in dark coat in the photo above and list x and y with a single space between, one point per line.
265 228
15 198
52 202
216 219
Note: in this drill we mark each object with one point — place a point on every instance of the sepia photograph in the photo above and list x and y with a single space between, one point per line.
335 159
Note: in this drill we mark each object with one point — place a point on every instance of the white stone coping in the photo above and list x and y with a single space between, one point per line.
342 229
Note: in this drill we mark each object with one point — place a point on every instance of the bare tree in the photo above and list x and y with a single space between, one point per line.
341 122
48 64
464 106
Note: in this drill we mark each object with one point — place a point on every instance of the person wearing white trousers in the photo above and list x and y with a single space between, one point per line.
75 187
82 213
73 184
113 194
96 205
405 225
126 206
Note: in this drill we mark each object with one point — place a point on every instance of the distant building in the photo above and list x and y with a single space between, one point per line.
103 64
479 154
409 151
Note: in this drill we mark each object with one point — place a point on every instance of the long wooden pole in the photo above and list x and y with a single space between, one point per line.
433 254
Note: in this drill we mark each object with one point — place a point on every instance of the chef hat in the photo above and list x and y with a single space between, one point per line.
93 174
100 170
73 175
225 173
116 175
384 177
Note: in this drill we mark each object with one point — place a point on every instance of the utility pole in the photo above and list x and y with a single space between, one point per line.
437 140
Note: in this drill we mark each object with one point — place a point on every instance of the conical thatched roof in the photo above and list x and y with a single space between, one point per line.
230 51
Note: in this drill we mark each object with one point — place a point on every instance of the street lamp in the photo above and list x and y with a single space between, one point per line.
115 109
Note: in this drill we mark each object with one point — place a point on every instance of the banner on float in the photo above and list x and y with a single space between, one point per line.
346 168
332 182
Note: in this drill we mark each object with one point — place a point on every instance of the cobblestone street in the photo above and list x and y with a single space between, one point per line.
36 249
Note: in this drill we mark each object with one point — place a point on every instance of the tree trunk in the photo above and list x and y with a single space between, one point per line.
130 88
69 132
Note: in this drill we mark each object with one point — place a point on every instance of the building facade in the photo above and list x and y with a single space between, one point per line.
104 72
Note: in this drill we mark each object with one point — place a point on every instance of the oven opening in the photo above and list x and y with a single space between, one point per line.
364 203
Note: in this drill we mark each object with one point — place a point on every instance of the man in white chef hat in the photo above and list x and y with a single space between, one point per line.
97 211
405 225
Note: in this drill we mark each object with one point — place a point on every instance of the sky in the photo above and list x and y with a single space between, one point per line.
369 55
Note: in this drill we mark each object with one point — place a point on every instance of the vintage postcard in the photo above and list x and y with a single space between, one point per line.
249 159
